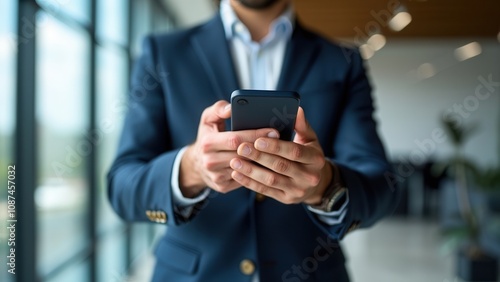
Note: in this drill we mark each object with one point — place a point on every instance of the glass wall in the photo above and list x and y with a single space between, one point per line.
81 85
78 10
112 71
8 43
62 192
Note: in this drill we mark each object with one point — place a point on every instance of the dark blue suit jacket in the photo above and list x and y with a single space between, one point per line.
177 77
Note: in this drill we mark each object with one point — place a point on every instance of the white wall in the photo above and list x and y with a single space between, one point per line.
191 12
409 107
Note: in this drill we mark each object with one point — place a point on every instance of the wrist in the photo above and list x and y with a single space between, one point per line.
190 181
326 179
335 195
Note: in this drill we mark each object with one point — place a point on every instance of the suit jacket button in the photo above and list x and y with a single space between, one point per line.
157 216
162 217
259 197
247 267
149 214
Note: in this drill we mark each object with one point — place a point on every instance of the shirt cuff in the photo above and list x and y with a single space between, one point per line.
178 199
333 220
333 217
332 213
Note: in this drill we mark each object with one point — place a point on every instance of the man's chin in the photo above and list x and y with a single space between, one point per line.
258 4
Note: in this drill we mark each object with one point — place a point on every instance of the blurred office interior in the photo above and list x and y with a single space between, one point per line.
64 74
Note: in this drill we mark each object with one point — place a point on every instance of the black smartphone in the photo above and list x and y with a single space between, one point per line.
254 109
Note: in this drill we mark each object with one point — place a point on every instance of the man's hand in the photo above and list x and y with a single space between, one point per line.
290 172
206 162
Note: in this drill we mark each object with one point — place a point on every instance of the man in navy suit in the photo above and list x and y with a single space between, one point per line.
247 206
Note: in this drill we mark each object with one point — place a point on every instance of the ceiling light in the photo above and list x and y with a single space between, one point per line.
426 70
366 51
400 21
468 51
376 42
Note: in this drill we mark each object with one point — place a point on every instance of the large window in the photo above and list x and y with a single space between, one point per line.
112 74
80 97
8 42
62 112
78 10
112 79
112 23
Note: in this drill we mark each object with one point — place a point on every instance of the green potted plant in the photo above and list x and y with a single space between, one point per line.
474 263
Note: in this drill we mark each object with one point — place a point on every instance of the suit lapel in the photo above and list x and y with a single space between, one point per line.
210 44
299 57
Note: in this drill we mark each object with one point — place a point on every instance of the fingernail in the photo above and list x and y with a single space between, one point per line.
260 144
227 107
273 134
237 164
246 150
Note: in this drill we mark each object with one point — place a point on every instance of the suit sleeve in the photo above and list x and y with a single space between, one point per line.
360 156
139 181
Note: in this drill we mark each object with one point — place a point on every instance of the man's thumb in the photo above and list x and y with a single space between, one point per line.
216 113
303 131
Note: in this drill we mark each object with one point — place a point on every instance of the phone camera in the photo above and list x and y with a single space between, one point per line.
242 102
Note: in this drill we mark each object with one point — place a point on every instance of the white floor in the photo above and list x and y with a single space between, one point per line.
399 250
394 250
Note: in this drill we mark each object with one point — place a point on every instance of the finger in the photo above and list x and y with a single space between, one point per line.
271 161
260 174
223 181
304 133
230 140
220 177
287 150
258 187
216 113
226 186
215 161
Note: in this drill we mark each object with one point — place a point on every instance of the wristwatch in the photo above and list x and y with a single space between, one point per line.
335 195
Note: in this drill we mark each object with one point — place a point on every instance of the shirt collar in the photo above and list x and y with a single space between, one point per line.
281 27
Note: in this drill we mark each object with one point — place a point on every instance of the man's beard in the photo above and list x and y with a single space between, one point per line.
258 4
